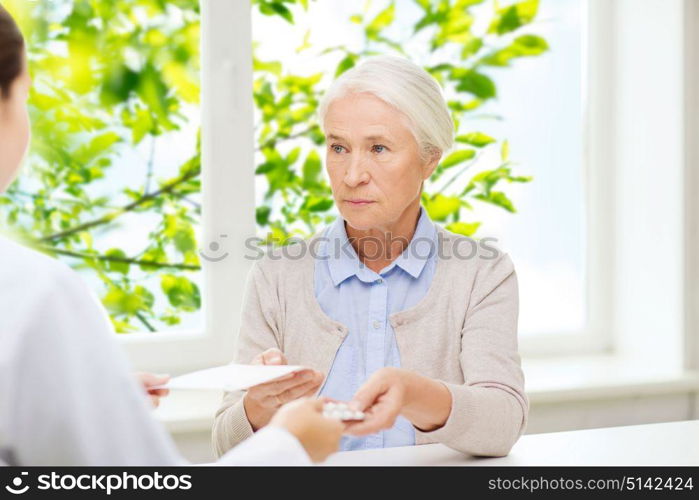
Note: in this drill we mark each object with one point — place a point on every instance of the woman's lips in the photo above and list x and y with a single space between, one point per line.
359 202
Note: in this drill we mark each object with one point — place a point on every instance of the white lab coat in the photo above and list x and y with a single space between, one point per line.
67 394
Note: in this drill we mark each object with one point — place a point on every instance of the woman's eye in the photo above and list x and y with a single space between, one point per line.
378 148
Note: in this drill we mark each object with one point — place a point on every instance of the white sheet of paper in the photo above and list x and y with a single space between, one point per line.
230 377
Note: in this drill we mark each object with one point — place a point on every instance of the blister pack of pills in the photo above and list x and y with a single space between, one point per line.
341 411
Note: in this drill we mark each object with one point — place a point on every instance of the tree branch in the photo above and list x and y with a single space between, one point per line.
105 219
151 158
143 320
124 260
127 208
461 171
275 141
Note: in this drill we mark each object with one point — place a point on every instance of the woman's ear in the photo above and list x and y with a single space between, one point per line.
431 163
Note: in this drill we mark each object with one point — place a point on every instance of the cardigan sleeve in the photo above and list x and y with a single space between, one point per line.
490 409
258 332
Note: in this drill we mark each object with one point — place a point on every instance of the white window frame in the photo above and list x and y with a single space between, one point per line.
691 129
598 75
228 208
228 182
620 323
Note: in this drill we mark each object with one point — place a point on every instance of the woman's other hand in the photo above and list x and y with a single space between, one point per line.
262 401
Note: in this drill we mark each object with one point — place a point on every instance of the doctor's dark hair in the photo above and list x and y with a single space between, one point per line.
11 52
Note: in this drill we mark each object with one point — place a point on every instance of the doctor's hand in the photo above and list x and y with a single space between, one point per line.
262 401
148 380
304 419
390 392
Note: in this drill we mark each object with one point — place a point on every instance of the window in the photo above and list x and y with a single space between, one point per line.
538 108
112 185
563 155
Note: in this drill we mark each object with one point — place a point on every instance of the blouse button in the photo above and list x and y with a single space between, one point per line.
377 324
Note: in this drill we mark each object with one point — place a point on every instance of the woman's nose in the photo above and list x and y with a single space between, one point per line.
356 173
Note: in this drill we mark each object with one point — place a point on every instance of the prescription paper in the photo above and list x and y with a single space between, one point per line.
230 377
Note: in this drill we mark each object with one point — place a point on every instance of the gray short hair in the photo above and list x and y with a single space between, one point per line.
408 88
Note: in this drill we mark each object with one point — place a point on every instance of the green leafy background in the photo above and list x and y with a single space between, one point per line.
111 77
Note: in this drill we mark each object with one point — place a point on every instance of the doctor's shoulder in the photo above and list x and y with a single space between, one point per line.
28 276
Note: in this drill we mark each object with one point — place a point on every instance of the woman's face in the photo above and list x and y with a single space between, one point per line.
14 128
373 161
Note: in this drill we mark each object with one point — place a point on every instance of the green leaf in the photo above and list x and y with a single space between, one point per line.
141 125
155 254
153 91
522 46
97 146
311 169
122 302
531 45
180 232
439 207
274 67
458 157
262 215
117 84
489 178
497 198
471 47
477 84
276 8
283 11
346 63
477 139
464 228
306 44
145 295
514 16
118 267
293 156
170 319
265 167
505 150
181 292
381 21
315 204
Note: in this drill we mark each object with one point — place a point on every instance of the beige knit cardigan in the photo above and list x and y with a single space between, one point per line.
463 333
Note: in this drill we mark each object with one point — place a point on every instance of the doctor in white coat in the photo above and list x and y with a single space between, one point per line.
67 396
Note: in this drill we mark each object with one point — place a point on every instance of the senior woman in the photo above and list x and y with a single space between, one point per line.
412 323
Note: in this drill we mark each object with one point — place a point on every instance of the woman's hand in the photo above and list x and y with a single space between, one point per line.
390 392
262 401
304 419
148 380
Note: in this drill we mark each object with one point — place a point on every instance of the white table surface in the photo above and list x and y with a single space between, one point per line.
672 443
